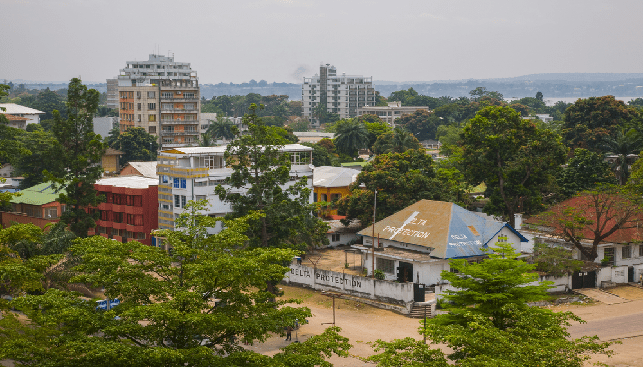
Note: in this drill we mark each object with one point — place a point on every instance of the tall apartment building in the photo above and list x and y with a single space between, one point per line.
339 94
112 93
191 173
162 96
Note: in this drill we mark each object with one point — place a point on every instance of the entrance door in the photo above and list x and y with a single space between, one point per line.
630 274
405 272
418 292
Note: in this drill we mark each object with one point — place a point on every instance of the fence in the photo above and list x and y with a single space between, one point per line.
326 280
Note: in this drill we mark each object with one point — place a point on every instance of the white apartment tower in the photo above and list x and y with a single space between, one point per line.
162 96
339 94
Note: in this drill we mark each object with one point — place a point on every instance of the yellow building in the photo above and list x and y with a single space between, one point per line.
110 163
331 184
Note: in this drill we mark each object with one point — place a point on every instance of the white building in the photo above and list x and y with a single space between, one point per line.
339 94
417 243
389 113
163 97
192 173
32 115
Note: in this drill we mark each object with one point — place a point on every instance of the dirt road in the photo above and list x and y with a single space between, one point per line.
363 324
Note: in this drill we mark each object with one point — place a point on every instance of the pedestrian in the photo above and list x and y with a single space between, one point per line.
289 333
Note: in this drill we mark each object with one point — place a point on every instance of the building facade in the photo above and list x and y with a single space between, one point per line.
192 173
331 184
112 93
32 115
389 113
37 205
162 96
337 94
130 210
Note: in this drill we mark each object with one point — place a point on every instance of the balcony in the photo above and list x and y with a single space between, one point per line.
179 122
182 110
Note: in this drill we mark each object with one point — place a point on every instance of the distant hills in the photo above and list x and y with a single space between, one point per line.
552 85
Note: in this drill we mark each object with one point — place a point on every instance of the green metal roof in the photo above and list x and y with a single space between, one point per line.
351 164
40 194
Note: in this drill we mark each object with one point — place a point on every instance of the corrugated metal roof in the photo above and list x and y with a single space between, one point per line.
326 176
448 229
13 108
132 182
40 194
147 169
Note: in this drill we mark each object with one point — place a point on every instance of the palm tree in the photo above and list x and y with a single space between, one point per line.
351 136
625 143
398 141
205 140
221 128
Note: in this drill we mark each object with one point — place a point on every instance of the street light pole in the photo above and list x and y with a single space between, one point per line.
373 237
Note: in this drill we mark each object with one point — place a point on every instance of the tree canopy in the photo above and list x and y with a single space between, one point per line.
513 157
137 144
396 141
401 179
584 171
191 307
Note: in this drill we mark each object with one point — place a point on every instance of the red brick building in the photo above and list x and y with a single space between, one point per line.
130 210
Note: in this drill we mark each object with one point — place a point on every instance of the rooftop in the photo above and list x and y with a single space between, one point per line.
326 176
449 230
132 182
40 194
147 169
222 148
12 108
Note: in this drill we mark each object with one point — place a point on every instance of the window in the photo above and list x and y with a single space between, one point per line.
335 237
334 197
166 95
51 213
105 215
138 106
385 265
114 231
151 94
201 183
200 197
117 217
608 253
626 252
502 238
139 235
138 95
151 106
188 95
165 206
152 118
165 179
183 202
152 129
177 182
640 250
139 117
177 201
183 183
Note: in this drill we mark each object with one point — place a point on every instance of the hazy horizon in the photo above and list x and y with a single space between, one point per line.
285 40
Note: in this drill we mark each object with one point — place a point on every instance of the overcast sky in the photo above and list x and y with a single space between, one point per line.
283 40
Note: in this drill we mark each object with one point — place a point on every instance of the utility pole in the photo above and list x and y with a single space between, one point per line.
333 296
373 237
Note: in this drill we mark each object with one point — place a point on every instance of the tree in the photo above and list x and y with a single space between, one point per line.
351 136
300 125
623 144
584 171
321 156
482 92
375 129
397 141
137 144
44 152
555 260
401 179
259 164
421 123
404 96
490 324
113 135
539 96
594 216
513 157
222 128
80 154
589 121
191 307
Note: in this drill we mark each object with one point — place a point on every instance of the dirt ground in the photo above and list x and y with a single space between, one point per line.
335 259
362 324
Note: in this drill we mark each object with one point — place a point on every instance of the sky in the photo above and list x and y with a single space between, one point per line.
285 40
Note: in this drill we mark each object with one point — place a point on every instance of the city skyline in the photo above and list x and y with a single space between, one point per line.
286 40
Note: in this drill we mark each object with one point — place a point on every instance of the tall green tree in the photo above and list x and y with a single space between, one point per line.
351 135
513 157
80 156
193 306
397 141
44 155
623 144
137 144
401 179
584 171
260 165
490 324
222 128
589 121
421 123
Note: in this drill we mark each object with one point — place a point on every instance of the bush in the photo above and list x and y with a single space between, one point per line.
379 275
